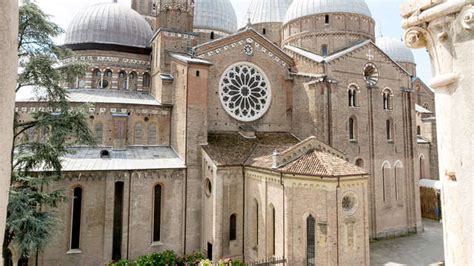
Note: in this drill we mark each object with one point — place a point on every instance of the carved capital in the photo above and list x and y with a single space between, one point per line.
415 37
467 17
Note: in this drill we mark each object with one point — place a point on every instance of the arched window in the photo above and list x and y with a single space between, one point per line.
76 218
212 35
422 166
271 230
256 223
352 129
117 230
352 96
398 180
99 134
360 163
326 19
233 227
264 31
138 134
107 79
418 130
324 50
310 241
389 130
132 81
122 80
157 194
96 79
387 99
385 181
152 134
146 81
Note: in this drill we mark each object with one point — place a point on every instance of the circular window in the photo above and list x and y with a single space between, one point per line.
245 92
208 187
371 74
349 203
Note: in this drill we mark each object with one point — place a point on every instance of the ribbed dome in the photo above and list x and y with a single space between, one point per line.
302 8
264 11
216 15
109 23
395 49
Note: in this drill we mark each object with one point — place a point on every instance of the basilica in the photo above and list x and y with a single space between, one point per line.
298 135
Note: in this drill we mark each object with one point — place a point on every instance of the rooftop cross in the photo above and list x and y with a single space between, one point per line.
370 56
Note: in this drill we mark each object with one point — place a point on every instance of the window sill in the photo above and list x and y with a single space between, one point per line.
74 251
156 244
353 141
390 141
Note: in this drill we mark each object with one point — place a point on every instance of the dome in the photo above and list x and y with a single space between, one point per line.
302 8
262 11
395 49
109 23
218 15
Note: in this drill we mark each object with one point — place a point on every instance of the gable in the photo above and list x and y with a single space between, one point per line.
368 51
241 40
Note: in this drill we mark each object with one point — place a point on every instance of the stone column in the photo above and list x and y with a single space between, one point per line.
446 29
8 74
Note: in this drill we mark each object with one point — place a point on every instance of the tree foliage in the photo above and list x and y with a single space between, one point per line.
41 141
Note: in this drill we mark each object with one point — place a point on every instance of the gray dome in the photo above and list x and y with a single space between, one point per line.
395 49
302 8
109 23
218 15
263 11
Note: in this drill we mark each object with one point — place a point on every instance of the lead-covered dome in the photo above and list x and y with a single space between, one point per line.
395 49
267 11
302 8
109 23
215 15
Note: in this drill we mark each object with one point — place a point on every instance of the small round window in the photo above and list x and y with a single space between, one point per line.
371 74
349 203
208 187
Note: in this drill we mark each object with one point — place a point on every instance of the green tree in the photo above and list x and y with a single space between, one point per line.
40 142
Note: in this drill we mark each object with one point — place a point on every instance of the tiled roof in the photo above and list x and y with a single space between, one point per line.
319 163
29 94
232 150
133 158
227 149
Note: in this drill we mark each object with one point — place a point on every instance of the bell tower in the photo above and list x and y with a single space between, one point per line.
174 15
143 7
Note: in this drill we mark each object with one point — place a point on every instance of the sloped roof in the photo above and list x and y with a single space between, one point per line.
338 54
421 109
233 150
29 94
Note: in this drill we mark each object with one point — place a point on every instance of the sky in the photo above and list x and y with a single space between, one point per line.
385 12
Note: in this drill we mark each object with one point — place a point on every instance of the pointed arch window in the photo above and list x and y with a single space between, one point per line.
132 81
310 241
76 218
233 227
157 195
422 167
398 180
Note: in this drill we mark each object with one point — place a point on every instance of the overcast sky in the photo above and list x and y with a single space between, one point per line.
385 12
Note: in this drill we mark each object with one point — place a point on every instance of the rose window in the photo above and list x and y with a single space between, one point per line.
349 203
245 92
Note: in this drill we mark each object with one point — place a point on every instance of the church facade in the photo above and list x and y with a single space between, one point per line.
297 137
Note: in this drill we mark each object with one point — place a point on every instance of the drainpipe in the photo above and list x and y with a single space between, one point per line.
337 217
243 212
128 212
284 218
